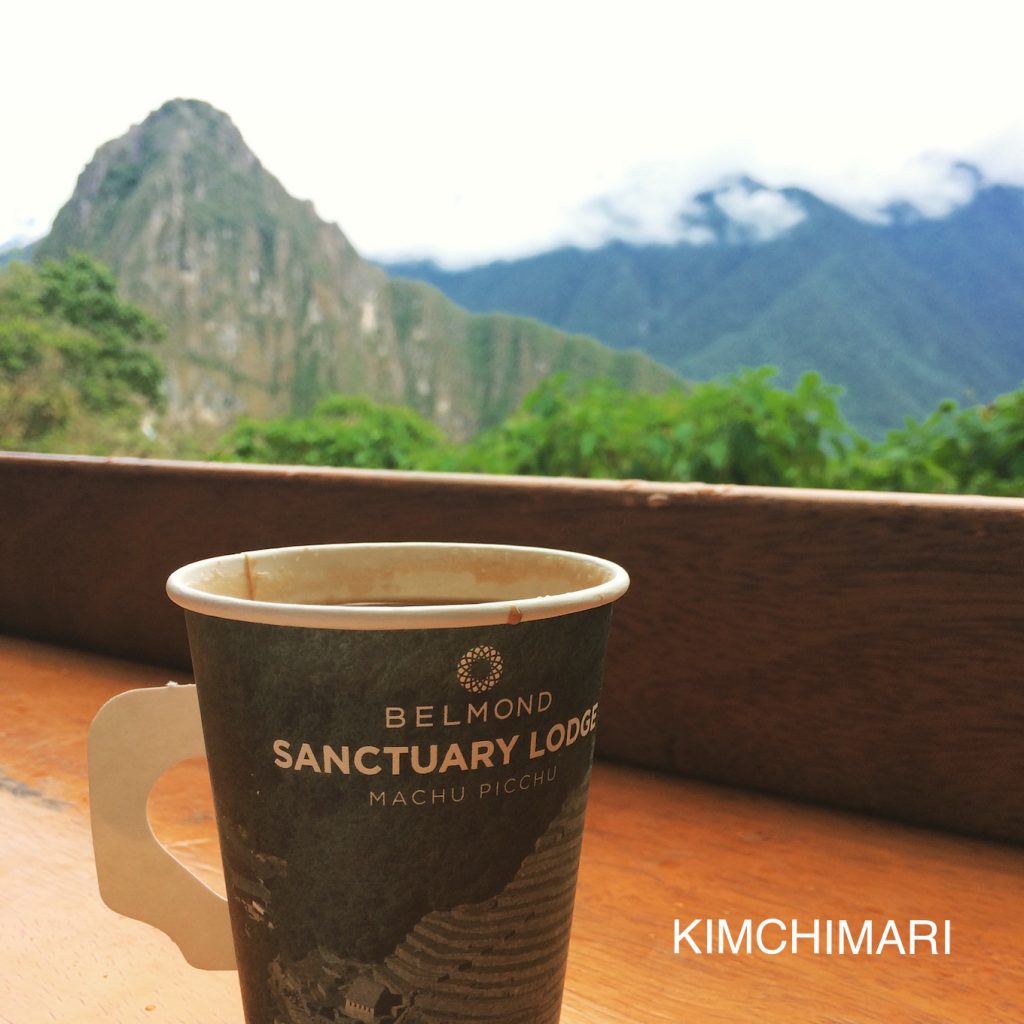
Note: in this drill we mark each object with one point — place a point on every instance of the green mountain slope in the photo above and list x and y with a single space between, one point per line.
901 314
269 308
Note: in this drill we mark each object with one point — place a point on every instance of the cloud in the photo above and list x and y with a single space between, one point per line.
932 184
555 203
669 204
642 208
660 205
759 214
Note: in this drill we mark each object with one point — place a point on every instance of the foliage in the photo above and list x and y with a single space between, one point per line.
742 430
592 429
978 450
77 373
341 431
72 354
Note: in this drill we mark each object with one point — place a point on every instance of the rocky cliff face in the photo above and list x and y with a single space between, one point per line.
269 308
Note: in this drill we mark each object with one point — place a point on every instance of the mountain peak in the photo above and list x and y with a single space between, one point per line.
186 108
191 122
174 150
268 308
188 125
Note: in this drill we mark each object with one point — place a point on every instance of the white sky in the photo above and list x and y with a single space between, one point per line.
467 131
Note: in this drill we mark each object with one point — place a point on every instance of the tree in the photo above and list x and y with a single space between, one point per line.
978 450
566 428
742 430
342 431
72 353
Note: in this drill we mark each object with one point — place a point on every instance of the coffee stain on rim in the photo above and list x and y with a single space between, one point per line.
249 579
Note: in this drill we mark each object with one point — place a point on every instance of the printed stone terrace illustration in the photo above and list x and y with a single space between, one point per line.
401 820
501 960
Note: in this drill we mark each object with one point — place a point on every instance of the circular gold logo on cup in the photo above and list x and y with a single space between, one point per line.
480 669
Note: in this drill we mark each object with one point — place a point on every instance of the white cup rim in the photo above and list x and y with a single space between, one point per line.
226 586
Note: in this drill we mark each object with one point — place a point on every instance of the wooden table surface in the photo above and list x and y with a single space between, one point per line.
656 849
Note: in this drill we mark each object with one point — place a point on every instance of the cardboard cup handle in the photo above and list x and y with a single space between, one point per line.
133 740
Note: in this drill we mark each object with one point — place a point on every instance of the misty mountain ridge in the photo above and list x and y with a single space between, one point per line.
738 208
902 311
269 308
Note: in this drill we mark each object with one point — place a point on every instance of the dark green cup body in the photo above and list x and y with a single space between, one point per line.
400 813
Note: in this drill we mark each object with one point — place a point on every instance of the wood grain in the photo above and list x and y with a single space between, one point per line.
655 849
857 650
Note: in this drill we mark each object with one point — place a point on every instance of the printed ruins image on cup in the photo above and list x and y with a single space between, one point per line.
399 740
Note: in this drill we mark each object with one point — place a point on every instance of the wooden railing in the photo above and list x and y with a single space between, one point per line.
858 650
